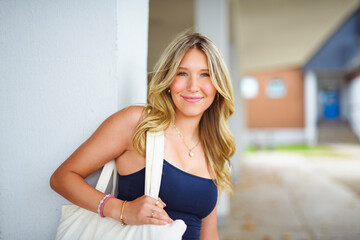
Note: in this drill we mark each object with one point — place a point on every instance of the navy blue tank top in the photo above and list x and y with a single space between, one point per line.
187 197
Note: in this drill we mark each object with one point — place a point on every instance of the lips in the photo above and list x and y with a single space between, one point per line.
192 99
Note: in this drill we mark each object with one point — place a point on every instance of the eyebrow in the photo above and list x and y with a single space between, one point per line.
205 69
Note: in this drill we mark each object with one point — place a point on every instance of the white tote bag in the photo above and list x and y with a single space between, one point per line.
79 223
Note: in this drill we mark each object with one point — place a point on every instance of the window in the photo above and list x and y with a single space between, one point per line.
276 88
249 87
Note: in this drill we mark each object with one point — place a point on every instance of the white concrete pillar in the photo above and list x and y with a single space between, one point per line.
310 98
212 19
354 108
132 50
344 100
58 83
237 123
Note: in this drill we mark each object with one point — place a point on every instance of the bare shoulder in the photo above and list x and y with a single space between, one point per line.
119 129
126 120
110 140
130 114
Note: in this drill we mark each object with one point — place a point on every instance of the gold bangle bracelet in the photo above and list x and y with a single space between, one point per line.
122 214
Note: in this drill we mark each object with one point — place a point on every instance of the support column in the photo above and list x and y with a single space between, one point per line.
58 84
310 91
212 19
132 50
354 108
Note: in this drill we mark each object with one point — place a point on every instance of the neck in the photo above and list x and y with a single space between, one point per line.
189 127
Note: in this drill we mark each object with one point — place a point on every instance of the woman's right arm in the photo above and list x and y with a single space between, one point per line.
109 141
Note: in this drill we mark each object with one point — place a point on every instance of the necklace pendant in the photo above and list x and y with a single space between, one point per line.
191 154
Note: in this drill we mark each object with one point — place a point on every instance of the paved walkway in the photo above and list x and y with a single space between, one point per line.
290 196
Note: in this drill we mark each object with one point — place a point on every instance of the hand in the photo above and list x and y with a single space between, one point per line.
144 210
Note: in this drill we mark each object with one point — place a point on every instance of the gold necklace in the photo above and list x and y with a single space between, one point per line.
191 153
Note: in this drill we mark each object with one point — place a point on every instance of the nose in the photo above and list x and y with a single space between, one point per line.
193 84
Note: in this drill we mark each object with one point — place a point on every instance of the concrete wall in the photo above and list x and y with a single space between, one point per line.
59 81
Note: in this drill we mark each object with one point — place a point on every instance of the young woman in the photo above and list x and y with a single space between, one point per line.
191 99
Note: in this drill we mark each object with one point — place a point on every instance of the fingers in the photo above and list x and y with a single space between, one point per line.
156 221
160 203
164 218
146 210
160 214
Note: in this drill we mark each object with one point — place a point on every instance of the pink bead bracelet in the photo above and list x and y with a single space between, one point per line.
102 204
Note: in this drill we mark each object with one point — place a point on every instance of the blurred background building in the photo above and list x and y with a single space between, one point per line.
299 61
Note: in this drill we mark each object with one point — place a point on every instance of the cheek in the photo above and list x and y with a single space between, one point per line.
209 89
176 85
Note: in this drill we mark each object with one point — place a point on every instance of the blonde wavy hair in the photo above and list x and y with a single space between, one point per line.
159 114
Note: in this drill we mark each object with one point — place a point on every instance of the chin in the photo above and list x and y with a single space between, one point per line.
191 112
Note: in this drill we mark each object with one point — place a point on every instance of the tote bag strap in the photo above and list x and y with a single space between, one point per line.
104 179
154 162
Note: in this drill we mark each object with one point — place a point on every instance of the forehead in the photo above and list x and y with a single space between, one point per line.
194 58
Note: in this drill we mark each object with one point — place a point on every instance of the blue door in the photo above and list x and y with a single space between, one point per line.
331 102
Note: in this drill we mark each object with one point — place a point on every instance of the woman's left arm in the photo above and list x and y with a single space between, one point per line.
209 227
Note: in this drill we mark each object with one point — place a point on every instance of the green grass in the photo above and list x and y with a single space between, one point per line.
302 148
318 150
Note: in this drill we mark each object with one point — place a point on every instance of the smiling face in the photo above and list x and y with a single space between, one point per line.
192 90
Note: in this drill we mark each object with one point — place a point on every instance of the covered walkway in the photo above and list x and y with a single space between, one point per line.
288 195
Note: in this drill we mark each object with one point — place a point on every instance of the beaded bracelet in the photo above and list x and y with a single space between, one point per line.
102 204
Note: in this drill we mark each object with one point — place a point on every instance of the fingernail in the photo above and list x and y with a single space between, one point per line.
165 223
